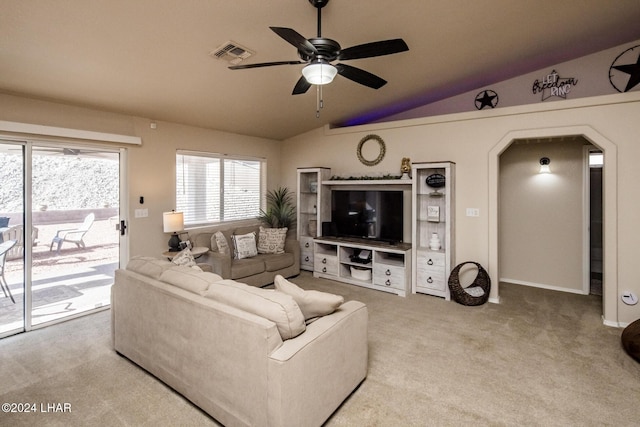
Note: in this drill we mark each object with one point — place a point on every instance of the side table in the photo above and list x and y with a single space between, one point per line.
197 252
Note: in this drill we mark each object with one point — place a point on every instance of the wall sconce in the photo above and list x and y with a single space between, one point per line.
544 165
173 222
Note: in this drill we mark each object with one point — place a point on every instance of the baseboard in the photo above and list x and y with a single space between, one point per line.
543 286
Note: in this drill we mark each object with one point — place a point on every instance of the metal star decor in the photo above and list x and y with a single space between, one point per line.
486 98
631 71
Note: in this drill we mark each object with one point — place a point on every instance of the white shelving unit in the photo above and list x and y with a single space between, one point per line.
432 214
388 269
314 207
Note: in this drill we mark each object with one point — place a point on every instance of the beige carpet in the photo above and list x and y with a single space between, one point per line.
539 358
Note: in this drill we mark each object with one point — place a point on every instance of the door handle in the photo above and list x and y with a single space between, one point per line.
122 227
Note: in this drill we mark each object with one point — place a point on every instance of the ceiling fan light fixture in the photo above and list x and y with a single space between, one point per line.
319 72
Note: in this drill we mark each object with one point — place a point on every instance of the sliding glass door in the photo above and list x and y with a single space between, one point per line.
68 244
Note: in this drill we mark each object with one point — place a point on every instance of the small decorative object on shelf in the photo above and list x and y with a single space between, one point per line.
433 213
313 186
434 242
405 168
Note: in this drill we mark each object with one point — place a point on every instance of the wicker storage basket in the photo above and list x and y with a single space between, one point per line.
461 295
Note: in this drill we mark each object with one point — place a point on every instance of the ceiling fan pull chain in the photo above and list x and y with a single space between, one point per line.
318 100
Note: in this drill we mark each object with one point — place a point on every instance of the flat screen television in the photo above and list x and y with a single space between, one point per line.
368 214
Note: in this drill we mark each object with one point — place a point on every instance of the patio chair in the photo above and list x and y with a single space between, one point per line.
4 248
73 235
15 233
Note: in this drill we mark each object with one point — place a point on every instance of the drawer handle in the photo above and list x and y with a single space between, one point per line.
306 245
388 272
324 260
324 269
429 280
430 262
388 282
306 258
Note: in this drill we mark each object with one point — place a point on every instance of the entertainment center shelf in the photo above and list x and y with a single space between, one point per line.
371 264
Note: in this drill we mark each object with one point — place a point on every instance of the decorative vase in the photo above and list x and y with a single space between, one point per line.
434 242
313 227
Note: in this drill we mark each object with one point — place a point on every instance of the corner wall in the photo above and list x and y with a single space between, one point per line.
474 141
151 166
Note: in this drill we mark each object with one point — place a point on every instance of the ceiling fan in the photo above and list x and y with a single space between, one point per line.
319 52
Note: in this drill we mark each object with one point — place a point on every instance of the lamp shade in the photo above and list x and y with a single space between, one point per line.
172 222
319 72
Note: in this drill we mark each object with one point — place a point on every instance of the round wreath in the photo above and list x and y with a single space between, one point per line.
380 155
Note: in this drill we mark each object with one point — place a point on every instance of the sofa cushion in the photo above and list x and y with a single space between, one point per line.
276 306
244 245
274 262
189 279
148 266
221 243
247 267
271 240
312 303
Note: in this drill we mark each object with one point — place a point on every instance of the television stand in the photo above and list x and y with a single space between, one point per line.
389 269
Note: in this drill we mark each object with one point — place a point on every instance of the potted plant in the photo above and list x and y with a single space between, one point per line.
280 211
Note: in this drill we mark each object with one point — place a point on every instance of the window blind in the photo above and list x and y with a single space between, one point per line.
213 188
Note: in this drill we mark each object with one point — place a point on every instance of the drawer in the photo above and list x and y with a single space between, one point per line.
430 259
306 244
327 264
391 276
431 278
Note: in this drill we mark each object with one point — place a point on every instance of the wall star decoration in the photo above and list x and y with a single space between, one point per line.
486 98
624 73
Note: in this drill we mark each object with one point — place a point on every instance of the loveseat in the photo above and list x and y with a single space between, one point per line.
245 355
258 270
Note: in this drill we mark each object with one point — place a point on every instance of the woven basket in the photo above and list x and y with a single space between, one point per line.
460 295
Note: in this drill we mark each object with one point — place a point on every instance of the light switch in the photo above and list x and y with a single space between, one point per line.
473 212
141 213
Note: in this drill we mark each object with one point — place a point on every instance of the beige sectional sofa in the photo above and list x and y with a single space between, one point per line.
243 354
259 270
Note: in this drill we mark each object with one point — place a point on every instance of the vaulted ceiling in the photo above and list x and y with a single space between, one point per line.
151 58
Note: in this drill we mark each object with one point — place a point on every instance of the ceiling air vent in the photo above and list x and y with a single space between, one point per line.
231 52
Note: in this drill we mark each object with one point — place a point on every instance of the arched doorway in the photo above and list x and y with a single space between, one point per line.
610 315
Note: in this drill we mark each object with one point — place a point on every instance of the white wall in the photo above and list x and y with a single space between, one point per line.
541 215
475 141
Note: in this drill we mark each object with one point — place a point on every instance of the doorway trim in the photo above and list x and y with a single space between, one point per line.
610 209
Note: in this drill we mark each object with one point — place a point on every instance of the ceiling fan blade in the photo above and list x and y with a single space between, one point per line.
368 50
296 39
301 87
360 76
265 64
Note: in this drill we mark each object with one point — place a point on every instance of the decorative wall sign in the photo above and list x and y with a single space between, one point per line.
554 85
624 73
381 147
436 180
486 98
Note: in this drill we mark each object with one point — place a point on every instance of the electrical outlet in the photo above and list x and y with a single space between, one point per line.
473 212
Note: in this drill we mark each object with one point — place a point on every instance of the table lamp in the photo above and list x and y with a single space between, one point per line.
173 222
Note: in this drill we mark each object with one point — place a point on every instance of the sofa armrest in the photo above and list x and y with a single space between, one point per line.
293 246
312 374
220 263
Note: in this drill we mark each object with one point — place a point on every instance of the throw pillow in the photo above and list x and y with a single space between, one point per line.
311 303
184 257
244 245
271 240
221 242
